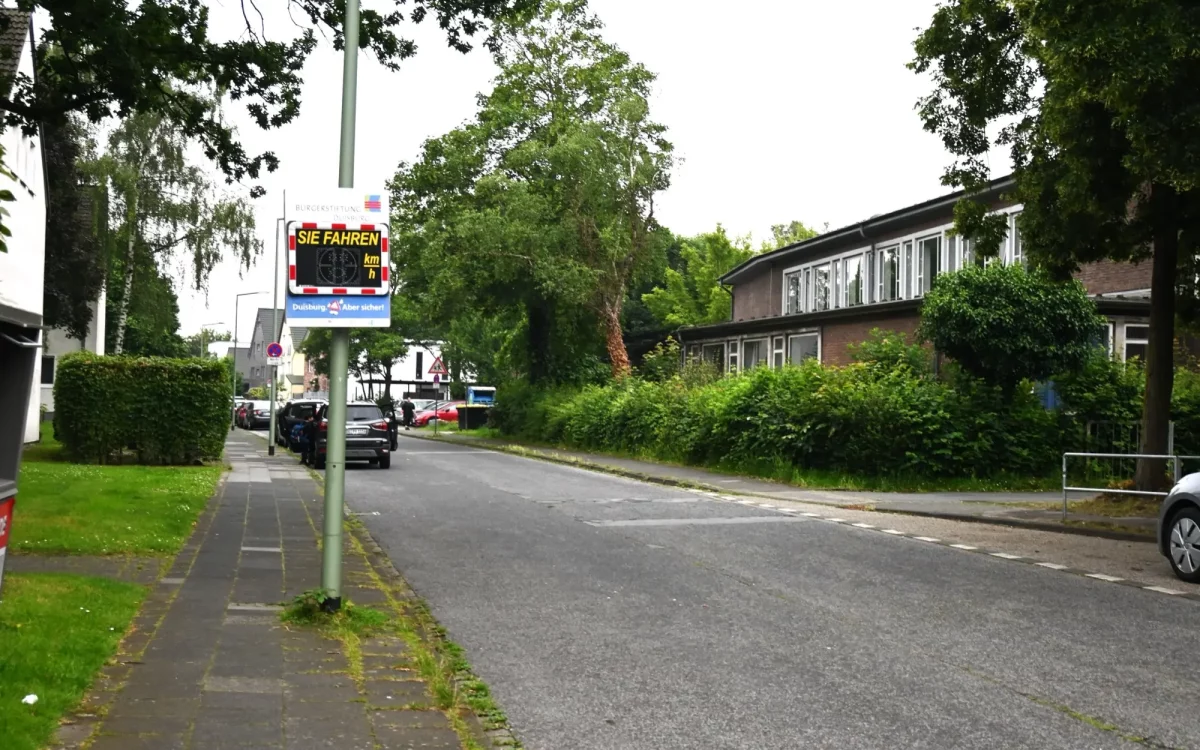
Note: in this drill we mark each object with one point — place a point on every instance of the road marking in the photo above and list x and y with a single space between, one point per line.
746 502
696 521
836 520
893 531
811 515
1102 577
438 453
254 608
261 549
765 505
1163 590
1006 555
1051 566
963 546
862 525
926 539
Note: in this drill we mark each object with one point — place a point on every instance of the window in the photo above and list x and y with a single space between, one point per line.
777 353
420 365
952 259
968 253
852 281
802 347
906 264
1108 337
363 413
754 353
693 353
733 357
821 287
806 301
929 251
1014 232
47 369
889 274
715 355
1136 341
793 292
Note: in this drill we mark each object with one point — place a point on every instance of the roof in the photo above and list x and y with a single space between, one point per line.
12 43
864 229
298 335
265 321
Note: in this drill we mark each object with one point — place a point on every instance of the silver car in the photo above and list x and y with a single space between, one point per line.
1179 528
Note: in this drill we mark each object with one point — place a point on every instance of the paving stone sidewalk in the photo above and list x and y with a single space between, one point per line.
207 663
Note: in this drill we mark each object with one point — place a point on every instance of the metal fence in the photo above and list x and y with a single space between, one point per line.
1176 467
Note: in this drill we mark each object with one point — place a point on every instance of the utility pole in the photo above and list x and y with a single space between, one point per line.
274 338
339 350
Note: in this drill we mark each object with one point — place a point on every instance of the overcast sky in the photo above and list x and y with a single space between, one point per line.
778 109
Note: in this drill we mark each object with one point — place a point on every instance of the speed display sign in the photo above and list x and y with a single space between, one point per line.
337 258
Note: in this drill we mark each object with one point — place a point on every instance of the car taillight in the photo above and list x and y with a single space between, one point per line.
379 425
324 426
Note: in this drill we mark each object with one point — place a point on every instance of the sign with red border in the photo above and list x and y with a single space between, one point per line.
6 518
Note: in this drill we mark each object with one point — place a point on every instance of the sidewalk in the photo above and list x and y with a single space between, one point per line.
207 663
1007 508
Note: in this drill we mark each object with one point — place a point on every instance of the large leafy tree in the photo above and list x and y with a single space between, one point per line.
161 204
151 315
100 58
783 235
1097 103
691 294
546 200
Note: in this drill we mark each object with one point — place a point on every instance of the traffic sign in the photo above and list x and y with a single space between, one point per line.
438 367
338 262
274 354
6 516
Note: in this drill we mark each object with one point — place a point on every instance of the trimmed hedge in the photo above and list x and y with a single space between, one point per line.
152 409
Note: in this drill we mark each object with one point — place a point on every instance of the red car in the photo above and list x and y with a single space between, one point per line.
447 412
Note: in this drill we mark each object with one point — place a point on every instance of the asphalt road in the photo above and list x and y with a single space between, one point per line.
609 613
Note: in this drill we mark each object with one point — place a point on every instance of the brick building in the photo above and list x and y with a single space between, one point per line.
816 297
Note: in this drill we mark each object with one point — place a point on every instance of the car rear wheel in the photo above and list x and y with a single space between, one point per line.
1183 545
385 462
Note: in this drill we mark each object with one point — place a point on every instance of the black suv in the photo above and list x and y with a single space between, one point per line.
366 434
292 414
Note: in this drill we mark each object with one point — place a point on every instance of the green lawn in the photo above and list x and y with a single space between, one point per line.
83 509
56 631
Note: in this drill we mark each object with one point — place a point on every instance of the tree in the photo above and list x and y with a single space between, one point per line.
1004 324
99 58
162 202
198 342
783 235
151 325
1096 102
75 228
546 200
693 295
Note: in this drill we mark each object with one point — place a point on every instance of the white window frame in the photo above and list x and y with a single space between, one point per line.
732 350
765 361
788 345
1127 341
778 353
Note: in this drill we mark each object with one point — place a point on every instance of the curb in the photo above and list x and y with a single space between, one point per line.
1016 523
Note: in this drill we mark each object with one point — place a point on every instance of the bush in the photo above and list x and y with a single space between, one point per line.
862 419
166 411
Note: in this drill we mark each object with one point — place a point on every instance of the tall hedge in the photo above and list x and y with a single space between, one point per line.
151 410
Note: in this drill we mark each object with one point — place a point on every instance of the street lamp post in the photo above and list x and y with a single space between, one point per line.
203 341
237 301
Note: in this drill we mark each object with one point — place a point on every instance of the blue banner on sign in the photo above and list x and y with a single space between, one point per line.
339 311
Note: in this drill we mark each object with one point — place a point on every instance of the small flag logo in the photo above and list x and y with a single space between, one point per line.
335 307
373 204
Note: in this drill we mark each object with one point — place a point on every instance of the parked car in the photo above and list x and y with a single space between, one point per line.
1179 528
257 414
366 435
446 412
291 414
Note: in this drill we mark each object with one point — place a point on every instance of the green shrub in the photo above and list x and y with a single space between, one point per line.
162 411
862 419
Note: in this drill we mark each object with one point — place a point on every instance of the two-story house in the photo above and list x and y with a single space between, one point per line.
258 372
815 298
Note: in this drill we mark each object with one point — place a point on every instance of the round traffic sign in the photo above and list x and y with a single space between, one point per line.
274 350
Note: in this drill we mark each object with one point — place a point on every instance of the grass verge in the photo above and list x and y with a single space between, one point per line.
57 631
85 509
79 509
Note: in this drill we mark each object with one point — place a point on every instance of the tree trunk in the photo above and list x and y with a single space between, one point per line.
1160 360
123 310
613 338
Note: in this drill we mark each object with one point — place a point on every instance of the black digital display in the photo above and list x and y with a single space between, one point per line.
341 258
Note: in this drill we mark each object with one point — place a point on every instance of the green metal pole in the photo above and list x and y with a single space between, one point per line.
339 350
274 338
237 299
